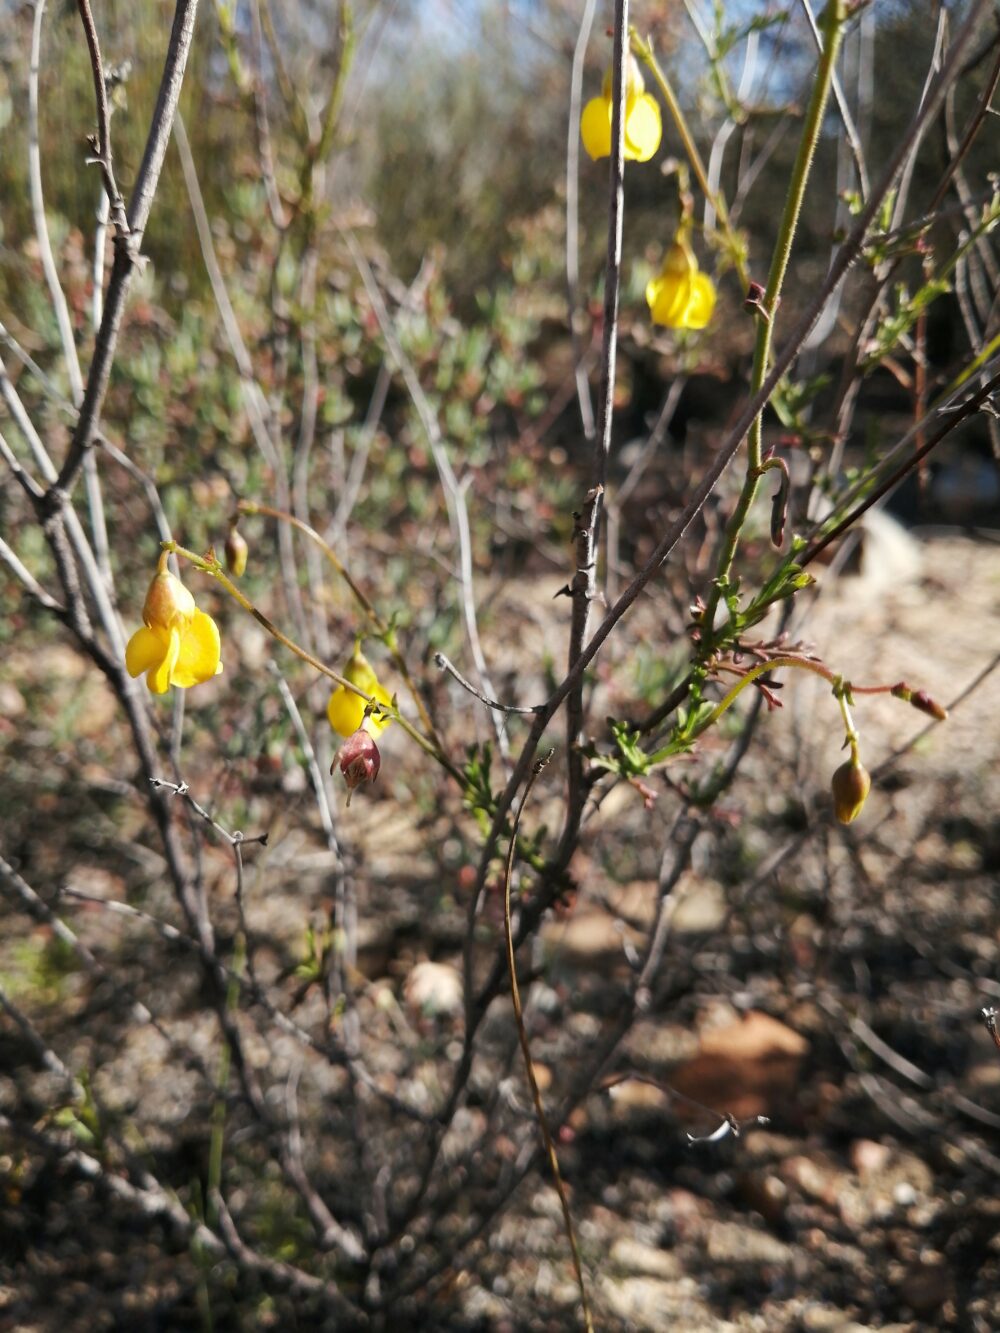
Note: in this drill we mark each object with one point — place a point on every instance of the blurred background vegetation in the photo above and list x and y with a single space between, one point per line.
449 161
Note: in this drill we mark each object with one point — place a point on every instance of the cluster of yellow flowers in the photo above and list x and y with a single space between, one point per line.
680 296
180 645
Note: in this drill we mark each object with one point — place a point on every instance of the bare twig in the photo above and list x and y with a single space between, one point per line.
955 418
441 661
583 586
102 144
573 217
46 1055
127 251
38 212
529 1068
454 490
850 129
263 427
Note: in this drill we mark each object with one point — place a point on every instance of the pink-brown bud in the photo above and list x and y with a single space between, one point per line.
923 702
850 786
754 299
359 760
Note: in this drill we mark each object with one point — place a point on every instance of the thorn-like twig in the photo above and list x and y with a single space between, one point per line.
100 143
445 665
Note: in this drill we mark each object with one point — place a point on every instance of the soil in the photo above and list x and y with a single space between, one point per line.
822 987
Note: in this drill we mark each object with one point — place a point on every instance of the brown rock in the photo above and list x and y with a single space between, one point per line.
746 1068
926 1287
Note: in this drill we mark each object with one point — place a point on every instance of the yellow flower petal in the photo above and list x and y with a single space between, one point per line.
359 671
701 301
145 649
179 645
667 297
346 711
643 128
199 652
595 127
159 674
680 296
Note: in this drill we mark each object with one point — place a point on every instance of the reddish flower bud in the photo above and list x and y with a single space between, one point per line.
850 786
754 297
358 760
923 702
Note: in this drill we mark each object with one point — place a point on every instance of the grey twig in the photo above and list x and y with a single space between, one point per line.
443 662
46 1055
101 145
21 572
150 1199
344 955
127 251
454 491
182 789
573 218
955 417
286 1275
263 427
38 212
850 129
583 587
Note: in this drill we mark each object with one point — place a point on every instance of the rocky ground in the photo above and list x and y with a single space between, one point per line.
827 980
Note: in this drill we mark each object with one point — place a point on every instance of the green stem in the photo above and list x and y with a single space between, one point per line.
985 355
761 669
644 51
769 304
842 691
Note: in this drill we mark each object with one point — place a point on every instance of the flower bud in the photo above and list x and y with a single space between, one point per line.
635 84
850 786
753 302
168 602
358 760
923 703
236 552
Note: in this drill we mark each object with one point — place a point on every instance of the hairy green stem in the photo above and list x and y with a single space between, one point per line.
769 304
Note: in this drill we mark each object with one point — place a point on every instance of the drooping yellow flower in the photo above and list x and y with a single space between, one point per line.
346 710
643 126
178 644
681 296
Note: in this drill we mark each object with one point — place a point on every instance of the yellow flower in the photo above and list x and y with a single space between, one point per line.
681 296
178 644
643 126
346 710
